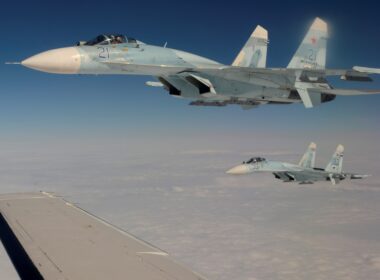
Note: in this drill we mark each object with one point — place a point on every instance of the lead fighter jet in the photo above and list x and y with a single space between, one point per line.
305 172
206 82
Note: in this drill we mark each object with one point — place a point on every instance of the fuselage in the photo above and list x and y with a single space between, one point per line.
286 171
94 59
137 58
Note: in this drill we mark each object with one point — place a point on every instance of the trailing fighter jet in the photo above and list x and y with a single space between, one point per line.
304 172
206 82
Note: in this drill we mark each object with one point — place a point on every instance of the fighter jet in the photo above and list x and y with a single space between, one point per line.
304 172
206 82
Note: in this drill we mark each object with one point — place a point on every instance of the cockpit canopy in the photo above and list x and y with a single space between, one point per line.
108 39
254 160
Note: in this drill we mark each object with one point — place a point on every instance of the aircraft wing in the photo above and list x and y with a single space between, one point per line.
309 83
295 176
357 73
47 237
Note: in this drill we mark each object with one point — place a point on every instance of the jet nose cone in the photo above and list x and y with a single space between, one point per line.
61 61
237 170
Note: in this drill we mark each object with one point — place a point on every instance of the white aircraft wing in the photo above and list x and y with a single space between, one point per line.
46 237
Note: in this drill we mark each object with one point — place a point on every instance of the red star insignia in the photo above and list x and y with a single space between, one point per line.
313 40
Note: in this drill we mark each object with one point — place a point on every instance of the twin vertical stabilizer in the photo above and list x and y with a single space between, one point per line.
336 163
311 54
334 166
254 52
308 159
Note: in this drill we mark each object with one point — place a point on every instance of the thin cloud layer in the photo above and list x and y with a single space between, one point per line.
225 227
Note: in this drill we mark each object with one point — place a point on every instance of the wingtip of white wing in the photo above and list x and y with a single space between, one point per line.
260 32
319 24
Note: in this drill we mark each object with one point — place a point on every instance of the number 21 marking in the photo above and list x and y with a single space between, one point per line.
104 52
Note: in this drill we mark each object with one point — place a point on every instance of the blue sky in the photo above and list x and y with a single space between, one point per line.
147 162
34 104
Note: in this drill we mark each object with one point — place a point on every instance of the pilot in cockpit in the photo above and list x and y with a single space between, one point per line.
108 39
118 40
254 160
